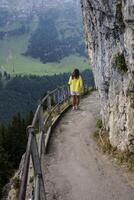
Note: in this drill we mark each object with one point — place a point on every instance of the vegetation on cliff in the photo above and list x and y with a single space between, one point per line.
13 141
101 136
120 63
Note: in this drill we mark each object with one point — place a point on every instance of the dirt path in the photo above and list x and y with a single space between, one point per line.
74 167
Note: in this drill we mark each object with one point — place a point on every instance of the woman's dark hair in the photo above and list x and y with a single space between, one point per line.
76 74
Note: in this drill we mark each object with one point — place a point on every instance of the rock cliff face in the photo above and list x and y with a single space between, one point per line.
109 30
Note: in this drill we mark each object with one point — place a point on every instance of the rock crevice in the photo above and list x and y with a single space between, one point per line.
109 34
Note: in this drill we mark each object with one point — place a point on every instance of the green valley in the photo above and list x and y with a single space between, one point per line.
13 62
17 52
41 43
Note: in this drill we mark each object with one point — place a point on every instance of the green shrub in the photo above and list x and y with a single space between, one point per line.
99 124
16 182
31 179
120 63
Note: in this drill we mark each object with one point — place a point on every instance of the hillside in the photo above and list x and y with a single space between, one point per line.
21 29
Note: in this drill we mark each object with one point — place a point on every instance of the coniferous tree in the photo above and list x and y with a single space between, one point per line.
13 140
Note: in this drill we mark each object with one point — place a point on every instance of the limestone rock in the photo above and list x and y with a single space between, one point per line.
109 34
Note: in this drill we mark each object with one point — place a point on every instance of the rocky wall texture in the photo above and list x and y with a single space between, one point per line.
109 33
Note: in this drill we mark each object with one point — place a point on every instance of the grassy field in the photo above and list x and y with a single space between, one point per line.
13 62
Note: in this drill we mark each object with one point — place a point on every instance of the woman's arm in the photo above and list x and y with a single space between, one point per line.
81 82
70 81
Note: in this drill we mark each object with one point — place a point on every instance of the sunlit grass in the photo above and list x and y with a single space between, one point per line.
12 60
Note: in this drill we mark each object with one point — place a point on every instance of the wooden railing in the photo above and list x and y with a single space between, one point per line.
47 113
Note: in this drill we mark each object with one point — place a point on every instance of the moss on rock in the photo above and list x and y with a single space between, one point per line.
120 63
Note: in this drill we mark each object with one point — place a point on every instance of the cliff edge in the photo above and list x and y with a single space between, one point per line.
109 33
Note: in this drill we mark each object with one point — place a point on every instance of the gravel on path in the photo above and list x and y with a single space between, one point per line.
74 167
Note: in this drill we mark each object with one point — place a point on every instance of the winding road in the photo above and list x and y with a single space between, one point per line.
75 169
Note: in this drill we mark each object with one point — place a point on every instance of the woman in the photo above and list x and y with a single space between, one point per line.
76 87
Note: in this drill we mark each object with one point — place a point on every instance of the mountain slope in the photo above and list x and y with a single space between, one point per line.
25 15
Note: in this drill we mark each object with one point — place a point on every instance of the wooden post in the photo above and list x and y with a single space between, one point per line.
41 119
39 183
64 93
37 189
41 131
49 109
23 187
58 100
54 98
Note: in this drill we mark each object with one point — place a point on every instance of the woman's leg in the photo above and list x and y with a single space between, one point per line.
73 100
77 100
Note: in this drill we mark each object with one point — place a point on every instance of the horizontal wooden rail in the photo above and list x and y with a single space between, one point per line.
48 111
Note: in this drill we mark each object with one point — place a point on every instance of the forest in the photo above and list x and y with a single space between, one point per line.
18 100
43 42
18 31
4 17
59 35
21 93
13 140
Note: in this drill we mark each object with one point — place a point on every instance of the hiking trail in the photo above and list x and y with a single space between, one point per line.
75 169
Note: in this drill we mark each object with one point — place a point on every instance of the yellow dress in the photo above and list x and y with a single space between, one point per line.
76 85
